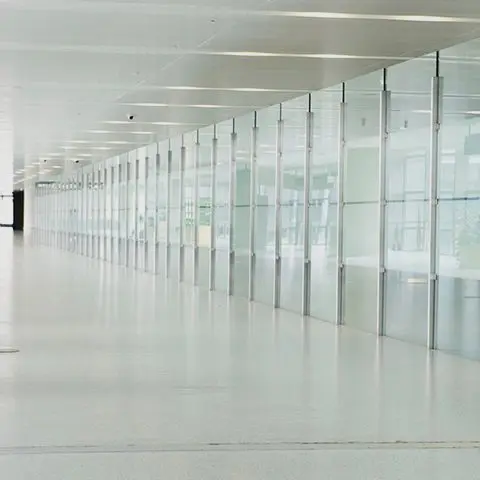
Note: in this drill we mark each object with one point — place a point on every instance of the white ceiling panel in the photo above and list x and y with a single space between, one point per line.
72 71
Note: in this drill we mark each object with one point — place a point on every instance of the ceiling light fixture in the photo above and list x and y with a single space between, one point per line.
165 124
181 105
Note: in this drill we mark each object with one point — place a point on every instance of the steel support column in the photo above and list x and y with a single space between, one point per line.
181 212
278 213
231 208
157 189
135 229
253 207
385 102
196 212
436 122
307 248
341 207
168 248
213 186
146 259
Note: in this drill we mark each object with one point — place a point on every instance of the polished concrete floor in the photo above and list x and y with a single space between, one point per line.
121 376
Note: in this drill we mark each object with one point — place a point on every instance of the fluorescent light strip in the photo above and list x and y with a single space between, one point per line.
180 105
325 56
369 16
223 89
166 124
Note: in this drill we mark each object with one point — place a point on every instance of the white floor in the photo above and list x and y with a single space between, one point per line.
121 376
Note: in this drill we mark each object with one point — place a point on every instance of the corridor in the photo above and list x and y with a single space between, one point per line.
122 376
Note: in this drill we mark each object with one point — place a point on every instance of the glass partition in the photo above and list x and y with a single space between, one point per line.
361 195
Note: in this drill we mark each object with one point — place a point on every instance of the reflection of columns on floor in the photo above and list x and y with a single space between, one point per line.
361 181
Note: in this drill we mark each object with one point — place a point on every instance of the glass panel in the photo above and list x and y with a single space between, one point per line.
407 225
175 210
123 212
222 209
204 205
243 129
150 204
324 203
265 200
188 217
361 202
292 202
458 328
140 228
132 207
161 207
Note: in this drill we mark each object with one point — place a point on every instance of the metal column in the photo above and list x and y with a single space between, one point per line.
135 229
106 179
112 213
120 212
127 212
307 248
278 213
385 102
155 235
437 113
231 214
196 211
341 207
146 258
181 256
168 255
253 207
213 186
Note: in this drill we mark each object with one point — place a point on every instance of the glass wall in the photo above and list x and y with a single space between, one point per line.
358 204
266 161
361 196
324 203
204 204
407 191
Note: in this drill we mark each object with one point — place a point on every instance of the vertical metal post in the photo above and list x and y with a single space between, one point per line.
90 213
278 212
135 228
307 261
341 207
181 211
120 210
253 206
231 210
155 234
127 212
112 212
436 122
385 101
145 214
213 226
196 214
168 255
106 217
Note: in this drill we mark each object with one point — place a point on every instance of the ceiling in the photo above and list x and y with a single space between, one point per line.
72 72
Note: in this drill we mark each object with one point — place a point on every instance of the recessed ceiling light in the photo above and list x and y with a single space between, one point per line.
85 155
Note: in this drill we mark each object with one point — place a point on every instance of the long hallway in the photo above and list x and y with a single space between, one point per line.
123 376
